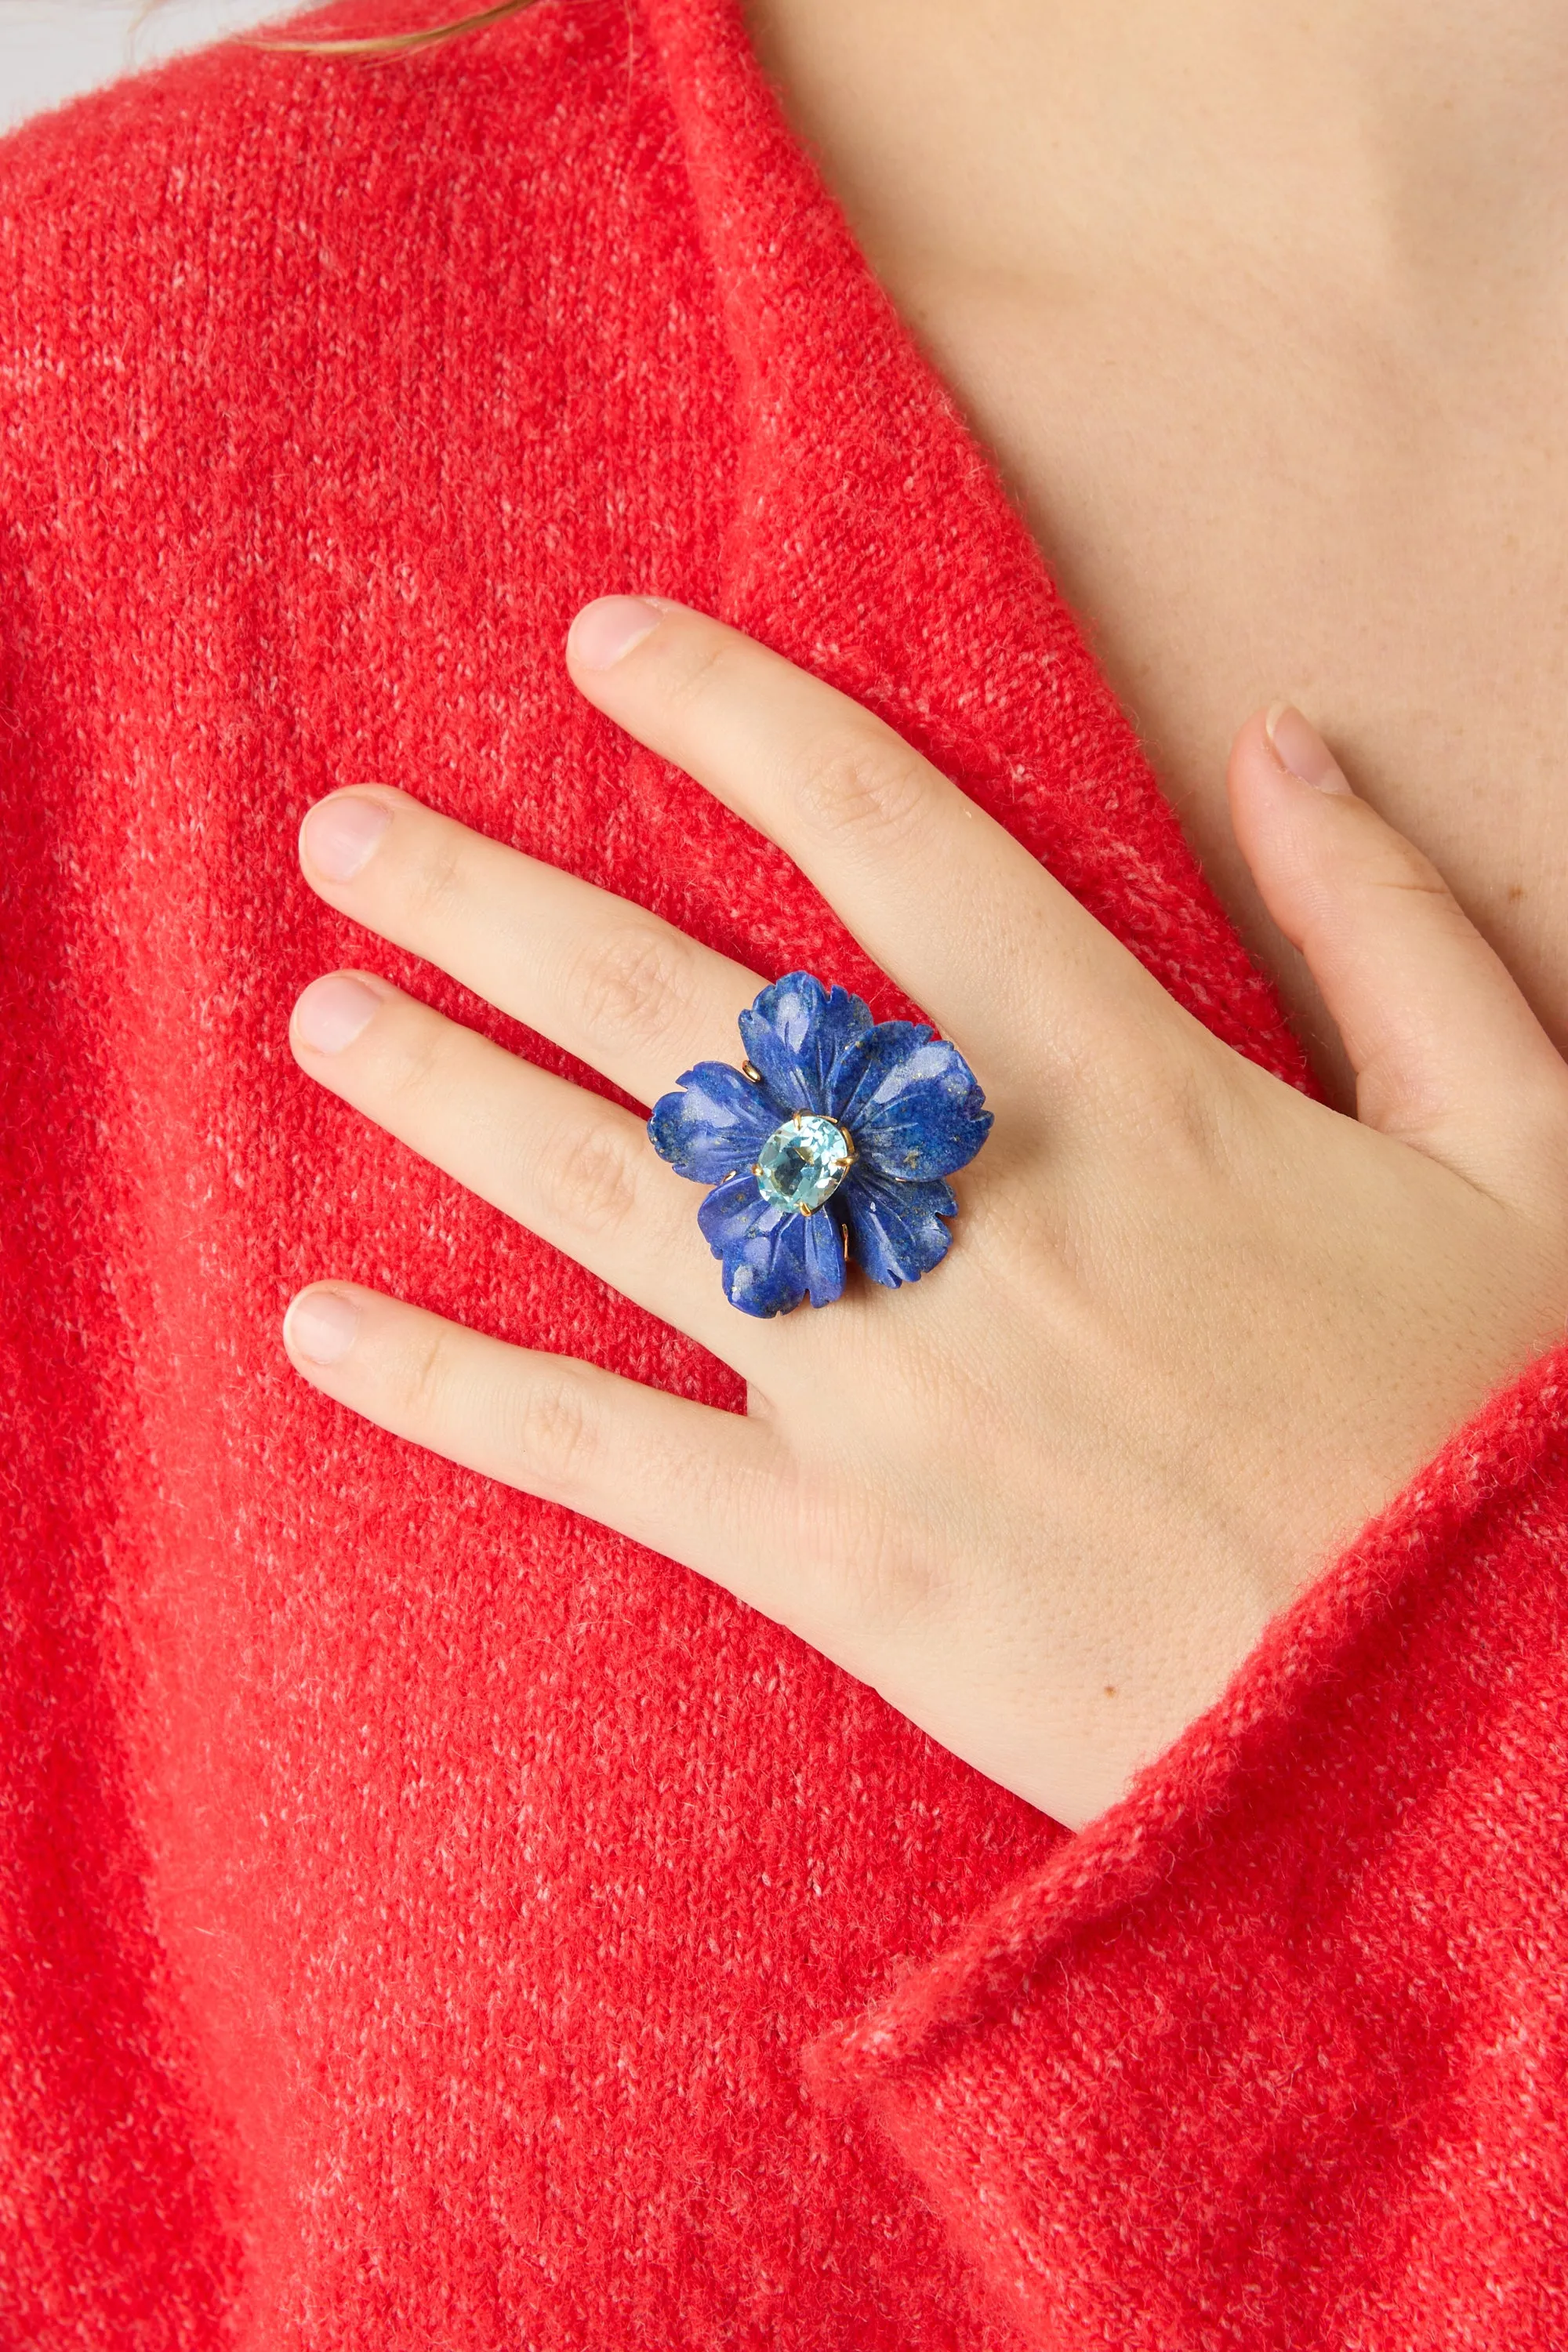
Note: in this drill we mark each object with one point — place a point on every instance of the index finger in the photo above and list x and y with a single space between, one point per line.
955 910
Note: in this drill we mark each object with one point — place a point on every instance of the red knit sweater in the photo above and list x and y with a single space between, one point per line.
432 1922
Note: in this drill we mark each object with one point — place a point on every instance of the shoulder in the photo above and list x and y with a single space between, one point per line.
245 230
237 127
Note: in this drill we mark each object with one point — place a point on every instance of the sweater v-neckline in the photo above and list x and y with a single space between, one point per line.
873 542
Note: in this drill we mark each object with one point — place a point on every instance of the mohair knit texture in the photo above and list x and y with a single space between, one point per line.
431 1922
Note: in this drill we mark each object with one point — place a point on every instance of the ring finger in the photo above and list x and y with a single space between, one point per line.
572 1168
617 987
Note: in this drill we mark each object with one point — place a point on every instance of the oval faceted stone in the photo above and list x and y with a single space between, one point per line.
803 1162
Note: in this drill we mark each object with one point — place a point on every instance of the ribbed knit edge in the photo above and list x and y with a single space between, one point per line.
1154 1830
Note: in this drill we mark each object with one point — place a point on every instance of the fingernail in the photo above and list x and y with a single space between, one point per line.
340 835
1301 751
321 1325
608 628
333 1012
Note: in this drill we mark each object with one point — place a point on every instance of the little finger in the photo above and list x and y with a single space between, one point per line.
687 1480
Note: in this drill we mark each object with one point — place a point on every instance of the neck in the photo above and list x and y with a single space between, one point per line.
1416 143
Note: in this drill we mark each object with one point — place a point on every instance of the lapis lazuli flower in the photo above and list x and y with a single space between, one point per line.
835 1142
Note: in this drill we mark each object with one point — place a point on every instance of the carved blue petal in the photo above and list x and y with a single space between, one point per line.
761 1246
896 1231
773 1257
824 1257
717 1125
908 1100
795 1033
733 1212
911 1102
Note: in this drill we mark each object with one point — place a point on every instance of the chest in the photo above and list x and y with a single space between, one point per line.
1239 509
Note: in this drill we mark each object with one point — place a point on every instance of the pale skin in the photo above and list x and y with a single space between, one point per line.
1195 1325
1264 313
1194 1328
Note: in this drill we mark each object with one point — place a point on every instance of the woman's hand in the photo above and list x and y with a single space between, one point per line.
1194 1328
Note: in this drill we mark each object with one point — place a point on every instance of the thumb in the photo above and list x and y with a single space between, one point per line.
1447 1055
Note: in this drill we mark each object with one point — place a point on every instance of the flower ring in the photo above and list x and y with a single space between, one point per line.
831 1107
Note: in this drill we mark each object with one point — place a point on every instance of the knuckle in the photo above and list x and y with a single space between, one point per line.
1419 881
1195 1116
687 661
551 1429
427 1378
862 782
628 985
1410 875
899 1586
406 1062
433 877
593 1180
1180 1112
1386 858
1154 1091
866 1580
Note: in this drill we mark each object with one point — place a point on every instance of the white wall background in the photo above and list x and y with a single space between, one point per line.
50 49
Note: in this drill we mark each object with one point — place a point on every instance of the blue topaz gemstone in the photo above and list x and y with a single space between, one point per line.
803 1162
873 1116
